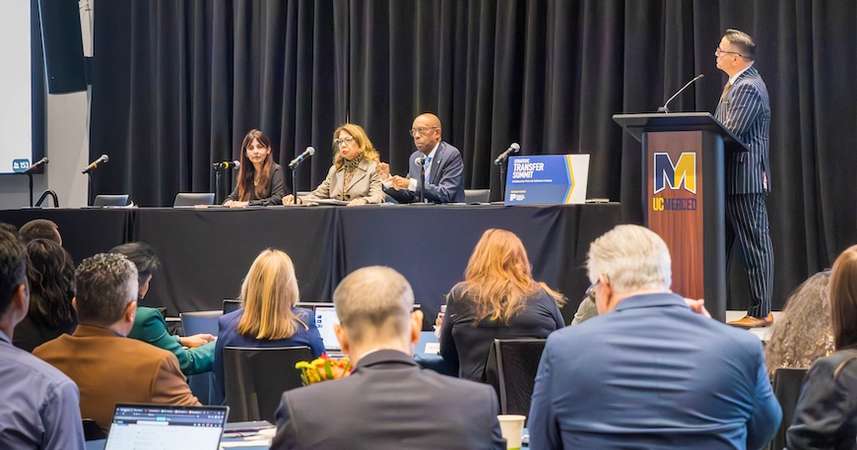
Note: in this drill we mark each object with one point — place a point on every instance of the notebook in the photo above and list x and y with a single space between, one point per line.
166 427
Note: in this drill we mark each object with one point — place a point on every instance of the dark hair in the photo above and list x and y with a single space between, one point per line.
51 275
13 267
40 229
142 255
743 42
843 299
247 171
100 285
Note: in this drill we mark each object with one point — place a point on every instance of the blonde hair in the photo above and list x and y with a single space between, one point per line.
843 299
804 333
367 150
269 292
498 277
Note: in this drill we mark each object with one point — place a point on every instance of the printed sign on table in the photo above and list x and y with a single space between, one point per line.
547 180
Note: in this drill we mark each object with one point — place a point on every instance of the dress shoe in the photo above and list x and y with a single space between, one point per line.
753 322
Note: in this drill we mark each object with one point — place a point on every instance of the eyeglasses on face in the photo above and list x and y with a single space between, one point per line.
421 130
719 51
347 140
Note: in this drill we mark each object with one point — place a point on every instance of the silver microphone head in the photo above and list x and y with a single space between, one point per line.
310 151
104 158
420 160
515 147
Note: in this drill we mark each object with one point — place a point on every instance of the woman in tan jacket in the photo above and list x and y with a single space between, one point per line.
354 176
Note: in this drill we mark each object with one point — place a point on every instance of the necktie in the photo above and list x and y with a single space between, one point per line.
427 165
726 90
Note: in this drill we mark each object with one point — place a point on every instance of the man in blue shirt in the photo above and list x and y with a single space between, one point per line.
39 406
648 372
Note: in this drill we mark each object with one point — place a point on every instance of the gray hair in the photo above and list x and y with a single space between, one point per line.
632 258
104 285
374 300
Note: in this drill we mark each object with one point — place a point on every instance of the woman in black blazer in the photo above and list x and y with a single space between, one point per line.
498 299
260 179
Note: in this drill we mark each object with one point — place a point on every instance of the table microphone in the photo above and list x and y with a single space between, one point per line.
664 108
300 158
37 164
226 165
94 164
514 148
420 160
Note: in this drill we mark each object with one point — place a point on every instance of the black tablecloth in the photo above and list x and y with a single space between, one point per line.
205 253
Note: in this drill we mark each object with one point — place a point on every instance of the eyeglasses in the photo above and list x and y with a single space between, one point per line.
421 130
719 51
347 140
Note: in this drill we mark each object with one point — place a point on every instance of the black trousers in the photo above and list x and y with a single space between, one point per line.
748 216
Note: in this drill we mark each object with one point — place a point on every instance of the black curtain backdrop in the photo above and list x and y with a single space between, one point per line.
177 85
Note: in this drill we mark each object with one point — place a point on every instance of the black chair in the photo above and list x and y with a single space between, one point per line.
193 199
91 431
511 368
256 378
111 200
197 322
787 385
231 305
477 195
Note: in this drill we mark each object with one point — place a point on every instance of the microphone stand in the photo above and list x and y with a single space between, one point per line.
297 201
503 179
30 183
421 182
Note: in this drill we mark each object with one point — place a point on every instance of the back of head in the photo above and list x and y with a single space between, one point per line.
51 275
843 299
374 303
633 258
269 292
498 277
104 285
804 332
40 229
142 255
13 268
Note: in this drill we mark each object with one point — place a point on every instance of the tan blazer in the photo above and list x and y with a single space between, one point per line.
109 368
365 183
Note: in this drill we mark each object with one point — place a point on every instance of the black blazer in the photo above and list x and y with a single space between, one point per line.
465 341
32 331
276 190
389 402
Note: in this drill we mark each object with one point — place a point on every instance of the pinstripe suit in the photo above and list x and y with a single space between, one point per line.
744 109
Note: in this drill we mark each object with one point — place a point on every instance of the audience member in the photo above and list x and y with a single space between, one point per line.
268 317
51 275
40 229
260 179
106 365
9 228
648 372
38 404
826 413
498 299
387 401
444 168
195 353
803 332
354 176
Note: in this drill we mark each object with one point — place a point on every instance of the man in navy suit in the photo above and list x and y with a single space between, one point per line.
744 110
444 168
648 372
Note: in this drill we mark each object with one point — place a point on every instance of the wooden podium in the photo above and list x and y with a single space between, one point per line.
684 196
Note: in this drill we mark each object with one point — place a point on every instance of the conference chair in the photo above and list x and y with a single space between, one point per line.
511 368
255 379
91 430
787 384
231 305
197 322
193 199
477 195
111 200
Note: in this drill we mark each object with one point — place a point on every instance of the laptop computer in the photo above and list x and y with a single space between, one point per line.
325 319
166 427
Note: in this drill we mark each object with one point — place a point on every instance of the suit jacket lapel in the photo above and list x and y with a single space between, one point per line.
362 172
435 163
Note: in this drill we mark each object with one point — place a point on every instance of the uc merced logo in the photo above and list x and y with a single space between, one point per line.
677 176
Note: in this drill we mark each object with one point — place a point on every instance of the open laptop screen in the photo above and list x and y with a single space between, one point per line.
166 427
325 319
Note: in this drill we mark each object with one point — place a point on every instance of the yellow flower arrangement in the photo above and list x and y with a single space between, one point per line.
322 369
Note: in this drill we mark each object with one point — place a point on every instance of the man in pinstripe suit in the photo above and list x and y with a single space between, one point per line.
745 111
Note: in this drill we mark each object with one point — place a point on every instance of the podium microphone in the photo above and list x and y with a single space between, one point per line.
664 108
225 165
94 164
300 158
420 160
37 164
514 148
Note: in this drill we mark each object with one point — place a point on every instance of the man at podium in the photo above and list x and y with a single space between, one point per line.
744 110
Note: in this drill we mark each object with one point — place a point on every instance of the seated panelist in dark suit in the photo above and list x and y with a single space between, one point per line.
50 271
260 179
498 299
268 317
354 176
444 168
388 401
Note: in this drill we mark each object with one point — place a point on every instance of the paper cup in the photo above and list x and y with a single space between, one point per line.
511 427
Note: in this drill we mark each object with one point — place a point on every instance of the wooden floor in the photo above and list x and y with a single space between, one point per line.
761 333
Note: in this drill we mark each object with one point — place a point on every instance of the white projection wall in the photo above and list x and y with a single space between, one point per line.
16 121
